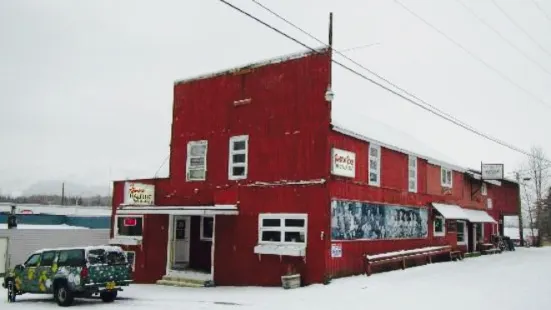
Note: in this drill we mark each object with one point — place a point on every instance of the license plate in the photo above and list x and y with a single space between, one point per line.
110 285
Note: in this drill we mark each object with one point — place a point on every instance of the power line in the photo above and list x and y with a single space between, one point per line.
520 28
514 148
541 10
473 55
511 44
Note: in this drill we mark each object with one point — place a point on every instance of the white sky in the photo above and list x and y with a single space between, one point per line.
86 86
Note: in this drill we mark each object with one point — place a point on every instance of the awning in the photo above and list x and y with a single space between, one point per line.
450 212
479 216
180 210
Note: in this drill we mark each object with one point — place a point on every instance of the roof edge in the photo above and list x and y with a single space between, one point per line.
256 64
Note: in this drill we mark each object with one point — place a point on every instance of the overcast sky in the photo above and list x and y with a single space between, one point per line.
86 86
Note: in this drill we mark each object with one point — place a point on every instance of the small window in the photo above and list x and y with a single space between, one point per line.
412 174
207 228
374 165
47 258
33 260
238 157
446 177
489 203
439 226
196 166
461 233
484 189
282 228
129 226
71 258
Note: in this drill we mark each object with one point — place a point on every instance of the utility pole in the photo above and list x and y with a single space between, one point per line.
63 193
520 224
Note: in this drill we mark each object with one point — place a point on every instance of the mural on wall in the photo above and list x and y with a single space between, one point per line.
355 220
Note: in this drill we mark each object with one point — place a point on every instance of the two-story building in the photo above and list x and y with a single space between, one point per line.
264 179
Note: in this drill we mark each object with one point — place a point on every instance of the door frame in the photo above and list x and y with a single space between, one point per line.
170 249
187 234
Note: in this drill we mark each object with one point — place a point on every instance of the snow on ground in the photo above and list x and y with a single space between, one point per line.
512 280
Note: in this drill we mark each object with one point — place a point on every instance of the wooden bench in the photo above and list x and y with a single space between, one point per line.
402 256
456 255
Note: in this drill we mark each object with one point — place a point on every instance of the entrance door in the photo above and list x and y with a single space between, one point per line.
3 255
181 241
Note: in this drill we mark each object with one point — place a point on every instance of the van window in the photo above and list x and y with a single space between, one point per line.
47 258
101 256
71 258
33 260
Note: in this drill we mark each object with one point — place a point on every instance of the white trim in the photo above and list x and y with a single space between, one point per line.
116 234
212 248
180 210
465 232
412 159
170 235
484 189
201 230
444 182
190 145
281 249
125 241
232 152
282 228
443 232
378 159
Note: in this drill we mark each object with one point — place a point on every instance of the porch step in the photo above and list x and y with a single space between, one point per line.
181 282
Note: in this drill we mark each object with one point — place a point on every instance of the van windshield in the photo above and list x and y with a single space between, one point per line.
103 257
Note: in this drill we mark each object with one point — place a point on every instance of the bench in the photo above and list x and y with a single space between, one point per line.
456 255
402 256
491 251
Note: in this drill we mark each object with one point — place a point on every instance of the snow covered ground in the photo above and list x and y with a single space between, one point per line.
512 280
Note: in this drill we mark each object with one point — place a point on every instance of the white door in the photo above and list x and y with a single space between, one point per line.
3 255
181 240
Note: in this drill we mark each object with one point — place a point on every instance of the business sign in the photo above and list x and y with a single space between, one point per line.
139 194
492 171
336 250
343 163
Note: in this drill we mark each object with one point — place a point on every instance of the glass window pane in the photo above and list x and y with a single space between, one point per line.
271 222
373 151
239 145
372 177
197 150
294 223
238 171
129 226
294 236
73 258
197 174
197 161
33 260
373 164
238 158
47 258
273 236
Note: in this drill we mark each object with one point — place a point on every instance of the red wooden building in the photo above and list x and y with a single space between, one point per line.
263 179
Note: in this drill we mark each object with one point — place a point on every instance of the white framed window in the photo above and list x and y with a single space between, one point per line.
374 169
129 226
439 226
238 157
489 203
484 189
412 174
446 177
207 228
282 228
196 165
131 257
462 233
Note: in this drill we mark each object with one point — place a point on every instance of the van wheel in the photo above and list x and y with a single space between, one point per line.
63 295
11 290
108 296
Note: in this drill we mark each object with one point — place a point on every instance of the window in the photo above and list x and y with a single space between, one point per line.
374 165
461 233
102 256
282 228
129 226
439 224
446 177
207 225
71 258
489 203
484 189
412 174
131 258
238 157
47 258
33 260
196 165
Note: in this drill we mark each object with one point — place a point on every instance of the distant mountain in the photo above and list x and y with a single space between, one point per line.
52 187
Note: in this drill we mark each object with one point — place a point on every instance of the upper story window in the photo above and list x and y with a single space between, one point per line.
489 203
412 174
374 165
238 157
446 177
484 189
196 166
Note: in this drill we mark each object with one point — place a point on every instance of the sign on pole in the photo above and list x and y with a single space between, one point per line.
492 171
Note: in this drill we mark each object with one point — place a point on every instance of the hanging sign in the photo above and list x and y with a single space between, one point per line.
492 171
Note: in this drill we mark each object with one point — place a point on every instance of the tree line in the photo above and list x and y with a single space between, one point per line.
97 200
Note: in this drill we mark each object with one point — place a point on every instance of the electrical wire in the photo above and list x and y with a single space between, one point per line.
514 148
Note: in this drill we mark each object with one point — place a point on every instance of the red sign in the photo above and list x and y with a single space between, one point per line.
130 221
26 211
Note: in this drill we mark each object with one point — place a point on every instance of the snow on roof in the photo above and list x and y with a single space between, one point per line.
362 127
78 211
46 227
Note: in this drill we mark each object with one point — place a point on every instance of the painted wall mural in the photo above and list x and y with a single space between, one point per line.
355 220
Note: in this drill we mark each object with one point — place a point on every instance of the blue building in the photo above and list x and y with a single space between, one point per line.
89 217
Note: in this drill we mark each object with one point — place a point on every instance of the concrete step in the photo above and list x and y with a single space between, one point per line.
179 283
184 279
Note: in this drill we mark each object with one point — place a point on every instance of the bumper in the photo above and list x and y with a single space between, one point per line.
108 286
